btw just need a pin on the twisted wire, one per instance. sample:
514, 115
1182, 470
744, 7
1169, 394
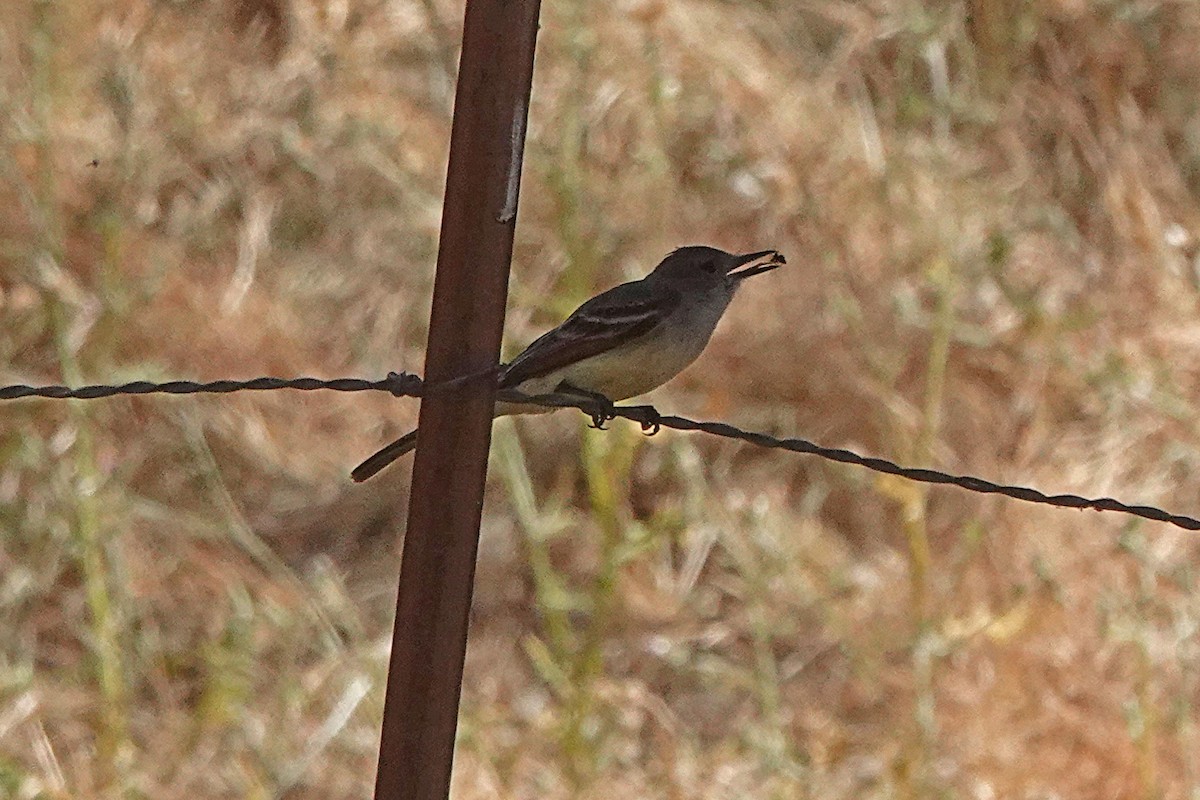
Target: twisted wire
408, 385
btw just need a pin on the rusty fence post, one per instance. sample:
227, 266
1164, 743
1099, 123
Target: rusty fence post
436, 576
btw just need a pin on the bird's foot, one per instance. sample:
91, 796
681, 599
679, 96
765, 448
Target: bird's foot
646, 416
595, 405
601, 410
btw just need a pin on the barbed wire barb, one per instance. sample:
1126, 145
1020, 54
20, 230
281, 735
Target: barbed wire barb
403, 384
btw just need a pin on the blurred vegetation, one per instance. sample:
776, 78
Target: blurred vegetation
989, 209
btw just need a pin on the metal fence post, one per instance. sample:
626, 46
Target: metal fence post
486, 144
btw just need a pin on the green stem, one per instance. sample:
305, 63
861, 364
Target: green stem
916, 529
113, 742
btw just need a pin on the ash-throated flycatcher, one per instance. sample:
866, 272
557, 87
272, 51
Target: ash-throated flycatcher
623, 342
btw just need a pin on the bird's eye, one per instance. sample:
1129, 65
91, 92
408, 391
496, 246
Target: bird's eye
709, 266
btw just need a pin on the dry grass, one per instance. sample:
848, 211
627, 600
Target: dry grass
990, 212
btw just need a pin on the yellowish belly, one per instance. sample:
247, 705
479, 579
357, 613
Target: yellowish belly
628, 371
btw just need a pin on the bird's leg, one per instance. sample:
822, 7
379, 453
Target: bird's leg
600, 407
646, 416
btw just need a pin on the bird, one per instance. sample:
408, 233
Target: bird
623, 342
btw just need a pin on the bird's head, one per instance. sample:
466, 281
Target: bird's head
699, 267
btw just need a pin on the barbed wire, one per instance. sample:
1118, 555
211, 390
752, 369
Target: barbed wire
407, 385
399, 384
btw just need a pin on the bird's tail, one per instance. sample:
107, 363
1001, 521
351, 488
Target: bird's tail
408, 442
385, 456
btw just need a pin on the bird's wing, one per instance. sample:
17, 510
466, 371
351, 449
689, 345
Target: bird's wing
608, 320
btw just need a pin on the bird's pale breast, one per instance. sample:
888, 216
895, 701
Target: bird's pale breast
644, 364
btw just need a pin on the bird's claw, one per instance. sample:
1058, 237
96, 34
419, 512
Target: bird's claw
594, 404
646, 416
601, 411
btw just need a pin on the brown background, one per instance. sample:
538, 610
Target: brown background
989, 210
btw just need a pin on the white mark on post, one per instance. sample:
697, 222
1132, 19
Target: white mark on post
516, 142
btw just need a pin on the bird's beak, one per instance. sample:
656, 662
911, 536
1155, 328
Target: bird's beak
774, 258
